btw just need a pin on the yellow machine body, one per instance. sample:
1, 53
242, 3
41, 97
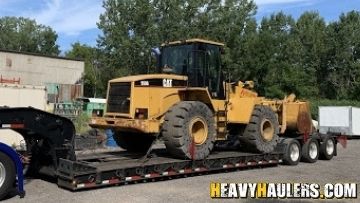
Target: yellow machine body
147, 105
191, 70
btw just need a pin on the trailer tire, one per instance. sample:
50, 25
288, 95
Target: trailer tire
261, 133
7, 174
189, 130
133, 142
327, 149
292, 153
310, 151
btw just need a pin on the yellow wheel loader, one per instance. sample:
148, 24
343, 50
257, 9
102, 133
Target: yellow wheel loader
191, 106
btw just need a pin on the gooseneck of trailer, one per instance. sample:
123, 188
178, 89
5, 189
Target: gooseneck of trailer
48, 137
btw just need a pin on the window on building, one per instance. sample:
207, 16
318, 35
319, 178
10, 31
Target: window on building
8, 62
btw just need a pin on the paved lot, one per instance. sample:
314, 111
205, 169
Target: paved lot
343, 168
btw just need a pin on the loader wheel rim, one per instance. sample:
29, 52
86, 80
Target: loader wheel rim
294, 152
313, 150
329, 147
267, 130
2, 174
198, 131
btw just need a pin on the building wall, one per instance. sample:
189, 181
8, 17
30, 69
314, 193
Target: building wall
61, 76
39, 70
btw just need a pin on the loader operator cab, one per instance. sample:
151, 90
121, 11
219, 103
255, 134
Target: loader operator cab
199, 60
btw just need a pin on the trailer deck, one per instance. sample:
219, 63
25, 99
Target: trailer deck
114, 168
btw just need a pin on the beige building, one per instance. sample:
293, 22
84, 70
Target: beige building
33, 69
61, 76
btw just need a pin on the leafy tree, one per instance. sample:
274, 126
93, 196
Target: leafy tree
22, 34
343, 57
92, 78
132, 27
282, 55
309, 35
273, 53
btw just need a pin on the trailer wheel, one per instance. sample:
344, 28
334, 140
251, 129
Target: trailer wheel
133, 142
189, 130
292, 152
327, 148
261, 134
310, 151
7, 174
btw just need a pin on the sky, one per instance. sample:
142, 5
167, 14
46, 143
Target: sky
75, 20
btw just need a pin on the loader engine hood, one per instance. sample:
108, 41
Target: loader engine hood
165, 80
126, 93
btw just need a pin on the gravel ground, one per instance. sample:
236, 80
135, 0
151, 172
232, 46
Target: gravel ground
343, 168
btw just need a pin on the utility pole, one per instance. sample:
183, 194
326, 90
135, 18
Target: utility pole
95, 67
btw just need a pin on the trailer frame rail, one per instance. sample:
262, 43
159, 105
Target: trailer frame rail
77, 175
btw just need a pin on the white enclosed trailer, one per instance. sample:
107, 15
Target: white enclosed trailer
16, 95
344, 120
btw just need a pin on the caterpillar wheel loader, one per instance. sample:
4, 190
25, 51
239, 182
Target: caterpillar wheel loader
191, 106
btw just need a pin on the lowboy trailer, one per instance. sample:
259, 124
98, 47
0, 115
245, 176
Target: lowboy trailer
50, 144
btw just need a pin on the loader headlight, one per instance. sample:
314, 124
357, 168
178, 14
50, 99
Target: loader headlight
141, 113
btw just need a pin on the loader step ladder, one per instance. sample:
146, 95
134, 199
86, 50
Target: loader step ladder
221, 123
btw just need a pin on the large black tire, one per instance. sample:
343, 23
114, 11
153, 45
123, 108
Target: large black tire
327, 149
261, 134
7, 174
292, 152
189, 130
133, 142
310, 151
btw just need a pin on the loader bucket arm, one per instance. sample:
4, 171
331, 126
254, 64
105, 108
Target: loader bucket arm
296, 116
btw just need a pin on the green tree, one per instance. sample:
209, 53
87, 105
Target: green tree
281, 54
273, 70
309, 35
93, 86
233, 23
343, 57
22, 34
132, 27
